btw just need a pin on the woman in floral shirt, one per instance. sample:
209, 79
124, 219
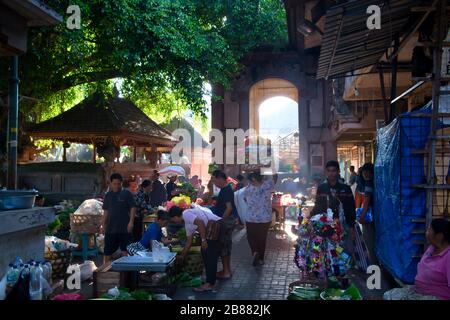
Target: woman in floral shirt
142, 200
258, 195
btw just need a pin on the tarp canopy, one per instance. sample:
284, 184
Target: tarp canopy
397, 204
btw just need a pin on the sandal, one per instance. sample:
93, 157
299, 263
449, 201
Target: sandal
203, 288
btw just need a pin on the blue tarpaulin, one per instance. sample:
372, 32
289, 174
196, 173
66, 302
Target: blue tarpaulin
397, 203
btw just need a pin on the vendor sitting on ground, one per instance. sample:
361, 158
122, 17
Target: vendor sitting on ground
433, 271
154, 232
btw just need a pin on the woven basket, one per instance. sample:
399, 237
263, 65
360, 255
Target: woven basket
193, 264
60, 261
82, 223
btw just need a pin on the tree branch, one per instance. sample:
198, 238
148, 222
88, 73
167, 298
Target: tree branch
86, 77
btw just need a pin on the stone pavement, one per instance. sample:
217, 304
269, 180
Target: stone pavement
271, 281
267, 282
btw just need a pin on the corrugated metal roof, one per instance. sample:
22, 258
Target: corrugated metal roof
349, 45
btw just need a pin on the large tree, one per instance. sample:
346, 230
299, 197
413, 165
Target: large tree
164, 50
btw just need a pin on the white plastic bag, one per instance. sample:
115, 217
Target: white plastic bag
241, 204
114, 292
90, 207
87, 270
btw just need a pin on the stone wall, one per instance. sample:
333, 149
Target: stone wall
235, 110
22, 233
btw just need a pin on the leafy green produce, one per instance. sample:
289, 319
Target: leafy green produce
196, 282
181, 235
141, 295
53, 227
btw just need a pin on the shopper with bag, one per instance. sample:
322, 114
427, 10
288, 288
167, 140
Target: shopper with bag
258, 195
211, 230
365, 215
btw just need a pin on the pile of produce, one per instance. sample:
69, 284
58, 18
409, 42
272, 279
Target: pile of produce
185, 280
305, 292
62, 220
182, 201
351, 293
318, 249
188, 190
125, 294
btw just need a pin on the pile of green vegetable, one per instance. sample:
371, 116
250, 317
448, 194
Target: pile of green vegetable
125, 294
351, 293
304, 293
185, 280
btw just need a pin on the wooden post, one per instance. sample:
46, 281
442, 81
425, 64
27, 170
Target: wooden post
64, 159
134, 153
383, 93
13, 124
393, 110
94, 152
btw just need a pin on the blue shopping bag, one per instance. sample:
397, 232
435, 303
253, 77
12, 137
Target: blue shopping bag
368, 218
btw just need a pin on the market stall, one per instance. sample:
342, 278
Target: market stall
322, 261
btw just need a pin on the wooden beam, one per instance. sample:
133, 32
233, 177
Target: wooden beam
425, 8
412, 31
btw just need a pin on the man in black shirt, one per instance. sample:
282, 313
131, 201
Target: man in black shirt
158, 194
224, 208
332, 193
171, 186
119, 210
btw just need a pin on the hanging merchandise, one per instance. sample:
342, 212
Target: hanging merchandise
319, 248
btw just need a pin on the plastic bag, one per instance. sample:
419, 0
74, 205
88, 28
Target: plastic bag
53, 244
87, 270
368, 218
114, 292
90, 207
101, 243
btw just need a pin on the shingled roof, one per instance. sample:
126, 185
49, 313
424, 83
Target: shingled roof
101, 116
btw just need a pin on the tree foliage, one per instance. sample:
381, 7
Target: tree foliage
164, 50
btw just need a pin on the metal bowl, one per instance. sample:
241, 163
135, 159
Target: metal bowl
17, 199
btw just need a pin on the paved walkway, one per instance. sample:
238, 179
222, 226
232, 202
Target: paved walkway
270, 281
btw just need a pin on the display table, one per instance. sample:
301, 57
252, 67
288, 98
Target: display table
130, 268
22, 233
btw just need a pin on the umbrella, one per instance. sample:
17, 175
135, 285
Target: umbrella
173, 169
